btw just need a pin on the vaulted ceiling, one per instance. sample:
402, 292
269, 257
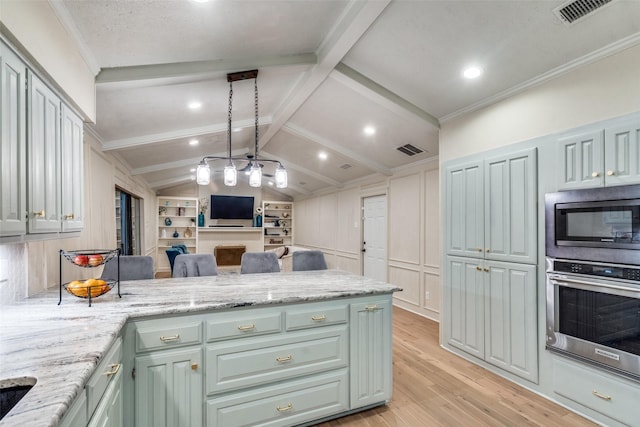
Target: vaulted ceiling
327, 69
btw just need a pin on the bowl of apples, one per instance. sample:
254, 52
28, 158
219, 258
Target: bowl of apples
90, 258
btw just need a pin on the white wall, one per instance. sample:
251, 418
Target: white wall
43, 40
605, 89
332, 223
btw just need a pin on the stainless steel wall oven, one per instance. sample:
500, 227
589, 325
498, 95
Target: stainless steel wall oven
593, 313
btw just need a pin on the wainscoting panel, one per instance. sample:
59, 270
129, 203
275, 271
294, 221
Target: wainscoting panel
409, 281
404, 219
432, 295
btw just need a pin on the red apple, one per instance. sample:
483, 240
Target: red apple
95, 260
81, 260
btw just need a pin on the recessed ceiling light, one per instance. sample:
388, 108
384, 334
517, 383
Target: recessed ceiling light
472, 72
192, 170
237, 129
195, 105
200, 1
194, 142
270, 182
369, 130
322, 155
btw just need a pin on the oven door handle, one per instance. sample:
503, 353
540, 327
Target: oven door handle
586, 284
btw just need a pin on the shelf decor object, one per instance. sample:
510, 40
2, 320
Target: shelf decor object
253, 163
90, 288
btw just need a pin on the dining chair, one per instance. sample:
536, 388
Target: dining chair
195, 265
259, 262
308, 260
132, 267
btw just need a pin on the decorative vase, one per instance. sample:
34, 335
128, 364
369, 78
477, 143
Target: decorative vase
258, 222
167, 221
164, 233
176, 234
200, 219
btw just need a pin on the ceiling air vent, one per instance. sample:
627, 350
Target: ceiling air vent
409, 150
573, 11
345, 166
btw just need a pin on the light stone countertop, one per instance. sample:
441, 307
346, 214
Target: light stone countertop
61, 345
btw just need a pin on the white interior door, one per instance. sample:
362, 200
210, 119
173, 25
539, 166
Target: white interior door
374, 245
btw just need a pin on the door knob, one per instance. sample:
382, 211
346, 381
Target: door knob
595, 175
39, 214
610, 173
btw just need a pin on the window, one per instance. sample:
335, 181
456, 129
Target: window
127, 223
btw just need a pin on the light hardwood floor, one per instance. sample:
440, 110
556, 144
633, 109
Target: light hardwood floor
432, 387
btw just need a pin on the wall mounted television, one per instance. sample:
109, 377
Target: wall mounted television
231, 207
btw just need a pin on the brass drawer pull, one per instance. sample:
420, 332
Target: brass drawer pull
113, 369
610, 173
479, 249
595, 175
601, 396
39, 214
169, 339
70, 216
478, 268
194, 366
283, 359
372, 307
285, 408
246, 327
319, 318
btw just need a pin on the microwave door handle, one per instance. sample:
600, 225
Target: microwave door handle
585, 285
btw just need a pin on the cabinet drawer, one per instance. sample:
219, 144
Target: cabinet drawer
167, 333
104, 373
225, 326
615, 398
262, 360
286, 404
315, 315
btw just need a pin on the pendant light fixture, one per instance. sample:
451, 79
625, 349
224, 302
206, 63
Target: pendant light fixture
203, 172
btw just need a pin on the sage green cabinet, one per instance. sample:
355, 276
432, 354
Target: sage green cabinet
72, 191
44, 158
13, 208
109, 410
41, 156
600, 158
169, 388
465, 305
491, 313
370, 358
491, 208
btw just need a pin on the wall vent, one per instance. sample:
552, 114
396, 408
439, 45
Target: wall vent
345, 166
575, 10
409, 150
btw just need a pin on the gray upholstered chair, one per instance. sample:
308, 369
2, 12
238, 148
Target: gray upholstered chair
259, 262
193, 265
308, 260
132, 267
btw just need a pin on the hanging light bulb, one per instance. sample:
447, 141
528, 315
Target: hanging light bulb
203, 173
230, 174
255, 175
281, 177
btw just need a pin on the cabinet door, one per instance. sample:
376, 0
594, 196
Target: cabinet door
510, 217
13, 180
168, 389
511, 318
465, 305
581, 161
622, 154
370, 358
464, 210
109, 410
72, 172
44, 158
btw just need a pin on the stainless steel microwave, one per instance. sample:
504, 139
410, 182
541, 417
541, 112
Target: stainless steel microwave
601, 224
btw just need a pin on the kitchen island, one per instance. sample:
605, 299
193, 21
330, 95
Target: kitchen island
62, 346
